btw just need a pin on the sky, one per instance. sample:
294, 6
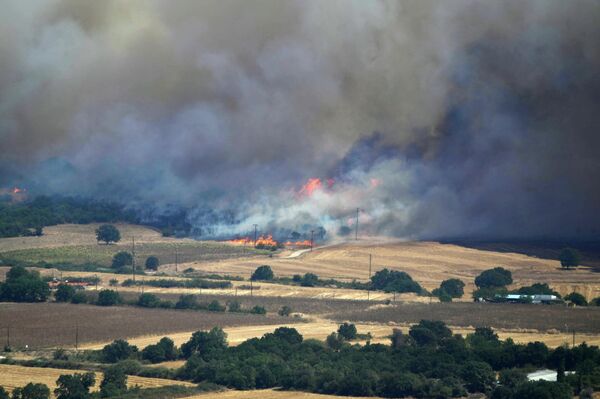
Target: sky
437, 119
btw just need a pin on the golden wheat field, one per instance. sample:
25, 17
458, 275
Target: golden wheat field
266, 394
12, 377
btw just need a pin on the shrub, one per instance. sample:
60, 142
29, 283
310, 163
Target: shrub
152, 263
335, 341
187, 301
64, 293
576, 298
496, 277
258, 310
32, 391
215, 306
148, 300
309, 280
108, 233
163, 351
394, 281
263, 272
118, 350
108, 298
122, 259
78, 297
114, 382
285, 311
234, 306
347, 330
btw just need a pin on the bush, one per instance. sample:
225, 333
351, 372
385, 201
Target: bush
215, 306
114, 382
74, 386
263, 272
187, 301
118, 350
108, 298
309, 280
394, 281
108, 233
64, 293
152, 263
164, 350
148, 300
122, 259
79, 297
234, 306
285, 311
347, 331
335, 341
576, 298
496, 277
258, 310
569, 257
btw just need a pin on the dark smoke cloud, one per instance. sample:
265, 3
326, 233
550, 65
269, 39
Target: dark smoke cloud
486, 112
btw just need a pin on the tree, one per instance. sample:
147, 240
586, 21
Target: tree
258, 310
32, 391
152, 263
263, 272
122, 259
205, 343
394, 281
576, 298
348, 331
108, 298
147, 300
285, 311
22, 285
3, 393
309, 280
569, 257
163, 351
335, 341
74, 386
215, 306
478, 376
108, 233
453, 287
78, 297
64, 293
114, 382
118, 350
494, 278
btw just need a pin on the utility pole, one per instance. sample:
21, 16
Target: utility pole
255, 232
312, 239
356, 226
133, 257
176, 259
370, 266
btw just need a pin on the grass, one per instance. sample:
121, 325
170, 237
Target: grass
102, 254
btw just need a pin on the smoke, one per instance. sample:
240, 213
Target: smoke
485, 112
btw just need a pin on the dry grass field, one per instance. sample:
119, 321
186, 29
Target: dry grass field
267, 394
12, 377
46, 325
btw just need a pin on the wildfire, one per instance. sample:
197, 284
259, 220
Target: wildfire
313, 184
298, 244
262, 240
17, 190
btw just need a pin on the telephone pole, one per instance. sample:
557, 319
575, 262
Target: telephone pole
176, 259
369, 266
133, 256
255, 233
356, 226
312, 239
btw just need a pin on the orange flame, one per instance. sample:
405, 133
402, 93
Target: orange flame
298, 244
262, 240
312, 184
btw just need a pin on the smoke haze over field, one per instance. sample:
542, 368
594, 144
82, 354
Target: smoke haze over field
440, 119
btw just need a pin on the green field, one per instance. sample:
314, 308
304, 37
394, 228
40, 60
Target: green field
102, 254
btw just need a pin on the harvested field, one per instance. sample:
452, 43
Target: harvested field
506, 316
267, 394
45, 325
429, 263
12, 377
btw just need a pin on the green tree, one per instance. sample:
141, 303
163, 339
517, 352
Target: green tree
258, 310
163, 351
494, 278
453, 287
348, 331
118, 350
309, 280
147, 300
215, 306
74, 386
108, 298
263, 272
205, 343
64, 293
394, 281
114, 382
478, 376
32, 391
122, 259
79, 297
22, 285
569, 257
335, 341
152, 263
576, 298
3, 393
108, 233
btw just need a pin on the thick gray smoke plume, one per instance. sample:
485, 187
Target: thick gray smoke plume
485, 113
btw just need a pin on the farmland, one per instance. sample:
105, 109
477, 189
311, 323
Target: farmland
266, 394
12, 377
55, 325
